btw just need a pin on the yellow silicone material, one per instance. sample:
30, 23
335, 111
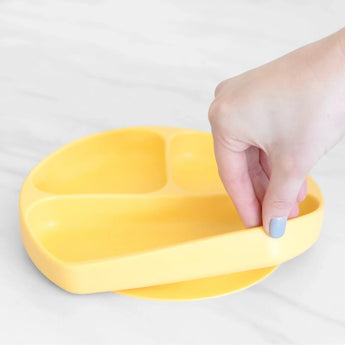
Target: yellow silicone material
138, 207
201, 288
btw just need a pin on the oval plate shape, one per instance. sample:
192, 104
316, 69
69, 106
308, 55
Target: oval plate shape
141, 207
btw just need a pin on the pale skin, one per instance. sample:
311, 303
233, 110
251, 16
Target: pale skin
270, 126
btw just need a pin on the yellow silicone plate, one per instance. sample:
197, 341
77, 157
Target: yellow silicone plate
143, 210
201, 288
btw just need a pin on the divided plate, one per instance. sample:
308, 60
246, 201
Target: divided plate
143, 210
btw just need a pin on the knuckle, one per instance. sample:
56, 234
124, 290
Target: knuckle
219, 87
220, 106
216, 108
282, 204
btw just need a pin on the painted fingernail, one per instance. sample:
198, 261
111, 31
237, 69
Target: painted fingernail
277, 227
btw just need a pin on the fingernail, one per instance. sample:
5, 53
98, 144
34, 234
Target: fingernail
277, 227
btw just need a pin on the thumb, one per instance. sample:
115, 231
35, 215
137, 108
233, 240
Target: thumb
280, 197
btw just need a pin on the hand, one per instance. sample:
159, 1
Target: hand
270, 125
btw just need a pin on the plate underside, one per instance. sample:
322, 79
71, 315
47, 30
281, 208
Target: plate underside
201, 288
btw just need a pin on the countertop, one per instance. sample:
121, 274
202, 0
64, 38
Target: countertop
72, 68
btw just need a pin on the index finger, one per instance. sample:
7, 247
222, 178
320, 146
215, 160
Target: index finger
233, 171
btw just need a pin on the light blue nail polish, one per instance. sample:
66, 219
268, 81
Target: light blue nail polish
277, 227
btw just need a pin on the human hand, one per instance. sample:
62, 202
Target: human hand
271, 124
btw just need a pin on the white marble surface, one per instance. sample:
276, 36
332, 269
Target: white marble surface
71, 68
